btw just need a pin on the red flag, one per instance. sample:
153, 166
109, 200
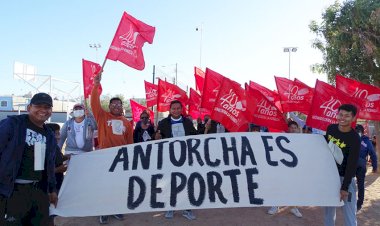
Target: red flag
325, 104
194, 102
151, 91
137, 109
368, 94
212, 83
90, 69
272, 96
263, 111
199, 79
168, 92
195, 98
128, 41
294, 95
230, 108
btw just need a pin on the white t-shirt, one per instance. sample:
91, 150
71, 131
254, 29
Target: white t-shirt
79, 131
177, 127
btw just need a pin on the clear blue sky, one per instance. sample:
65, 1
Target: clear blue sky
241, 39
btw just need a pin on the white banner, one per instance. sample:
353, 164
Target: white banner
205, 171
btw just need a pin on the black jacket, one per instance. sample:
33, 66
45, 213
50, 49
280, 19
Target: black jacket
12, 144
165, 127
138, 132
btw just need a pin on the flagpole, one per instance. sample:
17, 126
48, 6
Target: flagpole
104, 63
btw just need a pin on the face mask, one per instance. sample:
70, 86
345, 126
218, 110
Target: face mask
78, 113
360, 134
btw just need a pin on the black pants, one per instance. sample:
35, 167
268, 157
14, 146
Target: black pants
2, 209
360, 178
28, 205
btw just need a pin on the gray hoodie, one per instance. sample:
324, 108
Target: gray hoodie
68, 135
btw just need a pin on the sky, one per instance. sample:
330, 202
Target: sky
242, 40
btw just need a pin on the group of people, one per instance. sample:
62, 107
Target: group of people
32, 163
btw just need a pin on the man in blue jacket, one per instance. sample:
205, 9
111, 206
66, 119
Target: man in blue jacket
366, 148
27, 155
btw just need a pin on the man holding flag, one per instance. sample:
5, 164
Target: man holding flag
113, 128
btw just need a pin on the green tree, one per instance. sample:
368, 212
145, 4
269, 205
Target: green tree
349, 39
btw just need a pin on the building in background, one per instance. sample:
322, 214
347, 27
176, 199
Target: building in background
15, 105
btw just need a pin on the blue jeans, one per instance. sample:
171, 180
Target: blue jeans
349, 208
360, 177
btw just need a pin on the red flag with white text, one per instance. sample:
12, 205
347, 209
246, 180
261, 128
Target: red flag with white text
151, 91
368, 94
199, 79
271, 95
263, 111
137, 109
128, 41
212, 83
324, 108
230, 108
294, 95
168, 92
90, 70
194, 102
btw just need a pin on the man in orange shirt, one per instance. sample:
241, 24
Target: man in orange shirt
113, 128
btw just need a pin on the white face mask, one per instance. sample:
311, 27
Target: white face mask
78, 113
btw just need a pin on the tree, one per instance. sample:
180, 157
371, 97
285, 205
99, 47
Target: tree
349, 39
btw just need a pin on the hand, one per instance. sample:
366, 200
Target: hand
53, 198
66, 157
60, 169
343, 195
157, 135
208, 124
97, 78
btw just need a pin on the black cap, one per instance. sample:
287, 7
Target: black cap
359, 128
42, 98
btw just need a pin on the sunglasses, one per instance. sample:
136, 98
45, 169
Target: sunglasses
116, 105
144, 117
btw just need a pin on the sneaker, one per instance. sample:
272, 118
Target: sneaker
103, 219
273, 210
169, 214
119, 217
296, 212
188, 214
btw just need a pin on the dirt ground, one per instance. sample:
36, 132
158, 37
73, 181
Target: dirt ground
369, 215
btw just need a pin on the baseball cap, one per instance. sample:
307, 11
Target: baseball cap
42, 98
78, 105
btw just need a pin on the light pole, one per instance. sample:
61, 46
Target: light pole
96, 47
200, 29
289, 50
